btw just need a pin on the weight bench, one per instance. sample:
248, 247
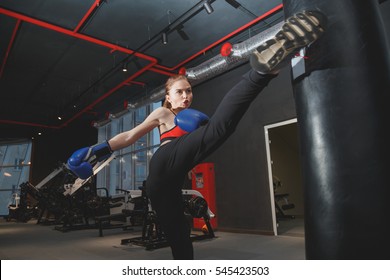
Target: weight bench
280, 208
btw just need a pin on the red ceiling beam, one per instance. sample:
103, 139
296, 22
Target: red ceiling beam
160, 71
11, 42
74, 34
86, 16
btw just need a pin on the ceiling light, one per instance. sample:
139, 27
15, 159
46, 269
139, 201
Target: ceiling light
164, 38
59, 118
124, 67
208, 7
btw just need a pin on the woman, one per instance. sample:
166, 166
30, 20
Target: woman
180, 151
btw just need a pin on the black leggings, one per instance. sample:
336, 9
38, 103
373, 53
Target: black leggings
172, 161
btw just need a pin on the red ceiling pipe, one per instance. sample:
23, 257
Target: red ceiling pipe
153, 69
74, 34
135, 83
90, 11
111, 91
270, 12
11, 42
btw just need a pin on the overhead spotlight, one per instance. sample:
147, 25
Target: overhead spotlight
164, 38
59, 118
124, 67
207, 7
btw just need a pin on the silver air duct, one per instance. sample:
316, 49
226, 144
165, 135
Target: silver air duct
216, 65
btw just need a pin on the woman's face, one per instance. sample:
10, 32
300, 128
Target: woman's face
180, 95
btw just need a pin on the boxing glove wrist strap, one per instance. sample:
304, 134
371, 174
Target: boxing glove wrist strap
102, 150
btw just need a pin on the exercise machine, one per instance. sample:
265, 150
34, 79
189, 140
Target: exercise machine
282, 202
152, 234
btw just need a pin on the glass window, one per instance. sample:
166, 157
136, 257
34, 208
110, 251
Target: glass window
130, 167
14, 170
114, 128
140, 114
140, 163
114, 179
128, 123
127, 174
102, 135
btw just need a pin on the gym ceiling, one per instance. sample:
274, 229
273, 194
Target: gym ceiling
61, 61
65, 58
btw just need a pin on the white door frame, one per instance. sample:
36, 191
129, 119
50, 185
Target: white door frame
269, 166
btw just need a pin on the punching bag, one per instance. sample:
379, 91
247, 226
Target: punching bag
341, 99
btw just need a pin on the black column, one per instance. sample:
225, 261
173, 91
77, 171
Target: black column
342, 103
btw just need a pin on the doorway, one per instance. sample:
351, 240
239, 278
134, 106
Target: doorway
285, 182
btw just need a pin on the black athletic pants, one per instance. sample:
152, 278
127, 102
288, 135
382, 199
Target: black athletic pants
172, 161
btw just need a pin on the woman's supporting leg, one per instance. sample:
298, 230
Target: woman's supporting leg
176, 227
163, 186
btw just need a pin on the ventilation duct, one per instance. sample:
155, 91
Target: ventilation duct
240, 53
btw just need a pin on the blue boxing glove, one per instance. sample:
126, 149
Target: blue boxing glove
82, 161
190, 119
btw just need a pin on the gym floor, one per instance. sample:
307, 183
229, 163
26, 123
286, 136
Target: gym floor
32, 241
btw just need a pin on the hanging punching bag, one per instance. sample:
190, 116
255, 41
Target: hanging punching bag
341, 98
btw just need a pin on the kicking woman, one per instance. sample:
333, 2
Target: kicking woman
188, 136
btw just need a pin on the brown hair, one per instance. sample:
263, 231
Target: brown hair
168, 84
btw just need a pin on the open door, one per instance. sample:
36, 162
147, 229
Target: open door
285, 181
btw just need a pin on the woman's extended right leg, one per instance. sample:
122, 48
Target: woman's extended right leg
194, 147
298, 31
